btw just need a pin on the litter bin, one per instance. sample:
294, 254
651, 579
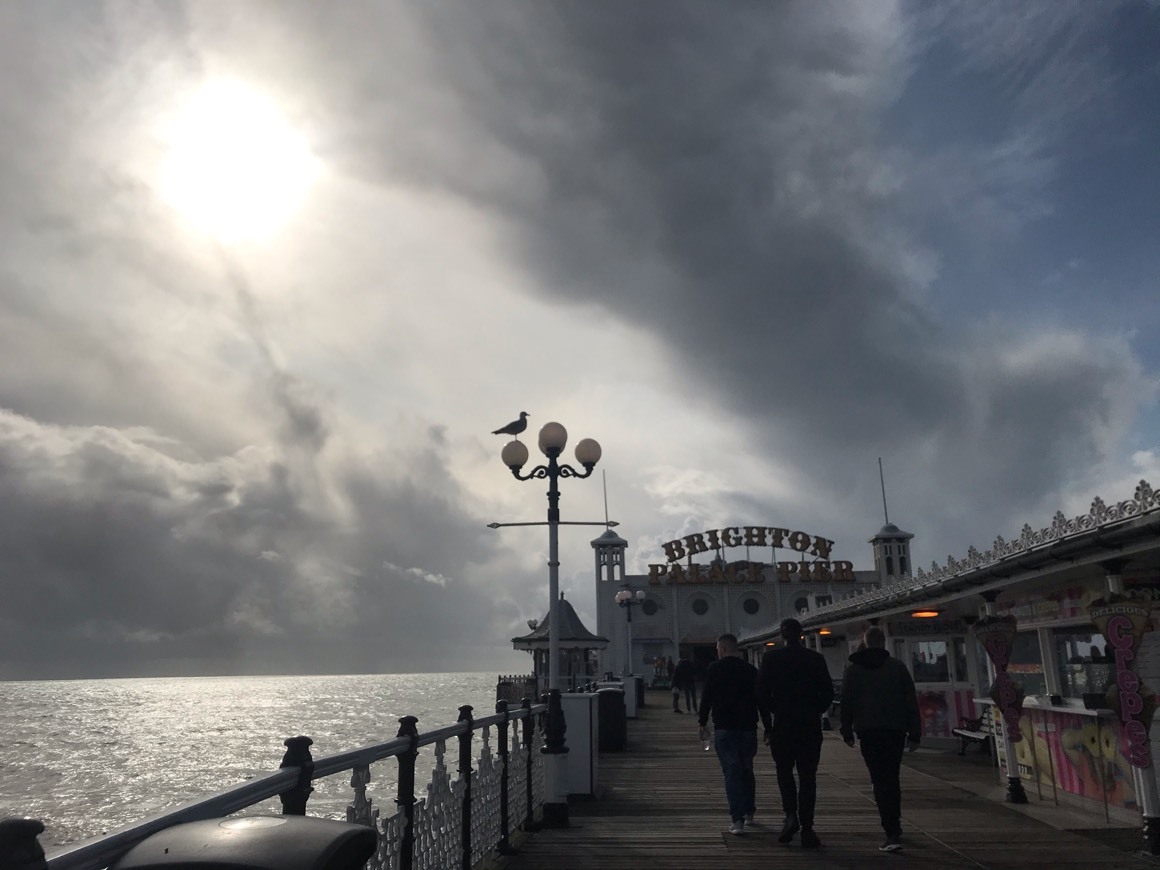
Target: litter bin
612, 722
255, 843
583, 734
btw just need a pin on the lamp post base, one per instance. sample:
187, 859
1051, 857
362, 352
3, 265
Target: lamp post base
1015, 792
1151, 833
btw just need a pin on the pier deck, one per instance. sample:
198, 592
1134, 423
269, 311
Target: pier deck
663, 808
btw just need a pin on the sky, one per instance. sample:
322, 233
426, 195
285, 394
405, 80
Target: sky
271, 274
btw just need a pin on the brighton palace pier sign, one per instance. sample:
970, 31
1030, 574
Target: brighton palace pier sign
821, 568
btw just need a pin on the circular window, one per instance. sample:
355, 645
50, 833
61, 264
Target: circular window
649, 607
801, 604
700, 606
751, 605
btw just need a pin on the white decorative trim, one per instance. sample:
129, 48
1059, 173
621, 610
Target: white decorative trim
1099, 516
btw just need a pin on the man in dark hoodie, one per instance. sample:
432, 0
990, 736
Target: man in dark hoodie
685, 681
794, 686
730, 695
879, 704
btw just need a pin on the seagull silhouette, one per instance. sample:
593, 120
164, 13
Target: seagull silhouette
515, 427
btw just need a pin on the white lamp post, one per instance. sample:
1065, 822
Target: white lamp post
553, 438
628, 599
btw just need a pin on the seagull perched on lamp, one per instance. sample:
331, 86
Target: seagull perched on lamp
515, 427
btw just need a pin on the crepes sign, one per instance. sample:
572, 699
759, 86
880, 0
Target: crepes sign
997, 634
1123, 620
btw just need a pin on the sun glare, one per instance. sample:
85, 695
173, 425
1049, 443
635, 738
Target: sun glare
235, 167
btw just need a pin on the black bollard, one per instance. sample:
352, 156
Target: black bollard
19, 848
406, 799
298, 755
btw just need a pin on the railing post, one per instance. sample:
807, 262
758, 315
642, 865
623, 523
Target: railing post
465, 773
19, 848
406, 798
528, 724
504, 847
297, 755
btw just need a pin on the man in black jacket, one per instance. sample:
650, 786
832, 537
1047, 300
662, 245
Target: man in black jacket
794, 686
685, 681
729, 694
879, 704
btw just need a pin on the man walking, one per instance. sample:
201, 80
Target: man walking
685, 682
880, 706
794, 686
729, 694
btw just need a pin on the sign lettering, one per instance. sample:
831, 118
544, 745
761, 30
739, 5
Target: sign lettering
1123, 621
752, 572
749, 536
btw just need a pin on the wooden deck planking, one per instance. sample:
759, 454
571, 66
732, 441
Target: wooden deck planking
663, 808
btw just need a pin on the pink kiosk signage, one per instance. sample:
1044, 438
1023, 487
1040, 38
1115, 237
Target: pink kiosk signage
1123, 620
997, 634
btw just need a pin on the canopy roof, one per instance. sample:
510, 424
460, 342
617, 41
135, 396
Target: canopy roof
573, 634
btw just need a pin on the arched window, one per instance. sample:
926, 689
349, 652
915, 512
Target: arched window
902, 565
890, 566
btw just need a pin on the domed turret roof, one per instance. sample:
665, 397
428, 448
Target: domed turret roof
610, 539
891, 532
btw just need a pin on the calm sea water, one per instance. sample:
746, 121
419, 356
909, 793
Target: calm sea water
89, 756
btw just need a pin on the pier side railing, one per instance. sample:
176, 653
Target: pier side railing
496, 789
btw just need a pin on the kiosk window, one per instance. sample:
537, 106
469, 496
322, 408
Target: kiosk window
1027, 664
928, 661
1084, 666
959, 646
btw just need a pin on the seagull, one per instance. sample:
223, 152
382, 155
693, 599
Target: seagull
515, 427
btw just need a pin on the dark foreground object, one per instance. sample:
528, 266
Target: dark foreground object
255, 843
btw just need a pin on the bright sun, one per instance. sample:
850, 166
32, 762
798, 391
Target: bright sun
235, 167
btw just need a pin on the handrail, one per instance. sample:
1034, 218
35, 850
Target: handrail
99, 852
333, 764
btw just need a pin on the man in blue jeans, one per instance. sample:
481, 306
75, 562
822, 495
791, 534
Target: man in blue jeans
730, 696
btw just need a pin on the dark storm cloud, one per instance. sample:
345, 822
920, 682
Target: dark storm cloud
741, 146
119, 559
734, 144
718, 176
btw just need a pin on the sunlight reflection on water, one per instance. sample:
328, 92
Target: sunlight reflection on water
90, 756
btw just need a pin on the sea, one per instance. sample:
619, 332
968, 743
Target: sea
87, 757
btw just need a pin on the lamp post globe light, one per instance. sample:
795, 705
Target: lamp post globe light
628, 599
552, 440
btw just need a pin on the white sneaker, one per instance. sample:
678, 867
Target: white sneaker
737, 828
892, 844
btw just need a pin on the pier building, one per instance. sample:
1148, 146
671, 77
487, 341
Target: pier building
739, 579
1043, 649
